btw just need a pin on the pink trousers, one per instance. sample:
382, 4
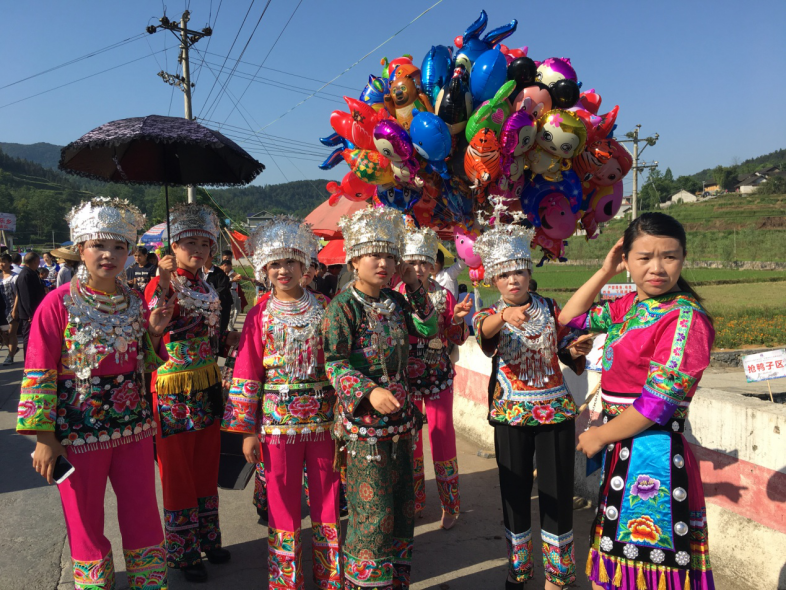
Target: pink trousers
442, 436
284, 474
131, 471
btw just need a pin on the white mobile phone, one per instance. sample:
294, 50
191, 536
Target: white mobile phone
63, 469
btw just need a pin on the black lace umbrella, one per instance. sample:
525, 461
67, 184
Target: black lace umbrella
156, 150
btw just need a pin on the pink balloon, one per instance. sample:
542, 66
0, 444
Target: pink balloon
465, 242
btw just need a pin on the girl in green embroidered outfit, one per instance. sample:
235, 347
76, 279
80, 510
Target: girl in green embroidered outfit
367, 328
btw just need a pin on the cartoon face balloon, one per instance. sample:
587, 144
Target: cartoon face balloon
535, 99
553, 206
554, 69
465, 243
606, 202
561, 133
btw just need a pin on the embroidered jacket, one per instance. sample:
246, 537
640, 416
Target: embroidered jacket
429, 367
113, 413
188, 386
353, 365
263, 398
513, 402
655, 353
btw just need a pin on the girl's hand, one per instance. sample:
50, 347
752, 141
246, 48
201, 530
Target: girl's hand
582, 346
252, 449
383, 401
613, 264
166, 266
516, 316
590, 443
461, 310
233, 338
160, 317
47, 450
407, 274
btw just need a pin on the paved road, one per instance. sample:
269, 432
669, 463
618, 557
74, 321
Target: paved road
34, 552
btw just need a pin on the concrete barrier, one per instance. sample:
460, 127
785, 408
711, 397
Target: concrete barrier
739, 441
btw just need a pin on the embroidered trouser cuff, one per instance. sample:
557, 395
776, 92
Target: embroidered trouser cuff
94, 575
146, 568
519, 555
559, 559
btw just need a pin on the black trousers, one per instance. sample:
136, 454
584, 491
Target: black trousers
516, 447
23, 332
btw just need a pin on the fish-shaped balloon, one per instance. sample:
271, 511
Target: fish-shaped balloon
435, 70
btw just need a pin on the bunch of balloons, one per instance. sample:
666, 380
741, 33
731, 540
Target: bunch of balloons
478, 120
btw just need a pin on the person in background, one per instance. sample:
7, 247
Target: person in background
152, 259
31, 293
533, 285
10, 302
447, 277
331, 280
68, 259
52, 267
227, 255
17, 263
220, 282
475, 305
43, 274
141, 272
319, 280
238, 297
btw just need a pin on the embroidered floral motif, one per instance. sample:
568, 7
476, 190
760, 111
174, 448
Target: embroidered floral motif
94, 575
360, 574
209, 528
402, 561
670, 385
187, 355
644, 530
240, 413
559, 559
187, 411
645, 488
520, 566
327, 555
420, 484
523, 413
284, 559
146, 568
37, 402
260, 489
181, 529
446, 473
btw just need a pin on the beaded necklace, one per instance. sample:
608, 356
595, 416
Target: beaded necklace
197, 302
296, 334
376, 313
532, 346
100, 331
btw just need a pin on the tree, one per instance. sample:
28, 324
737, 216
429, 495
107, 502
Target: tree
775, 185
688, 183
723, 177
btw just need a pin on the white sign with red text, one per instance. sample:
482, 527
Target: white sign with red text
7, 222
765, 365
616, 290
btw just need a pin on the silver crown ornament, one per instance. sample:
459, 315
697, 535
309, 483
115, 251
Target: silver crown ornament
373, 231
105, 218
283, 237
420, 244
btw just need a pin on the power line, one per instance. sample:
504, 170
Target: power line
77, 59
418, 17
213, 26
147, 55
265, 59
225, 84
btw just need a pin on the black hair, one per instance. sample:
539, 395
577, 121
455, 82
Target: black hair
440, 257
533, 284
31, 257
462, 288
654, 223
6, 257
141, 250
226, 253
17, 259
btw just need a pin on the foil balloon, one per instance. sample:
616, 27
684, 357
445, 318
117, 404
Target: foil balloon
351, 188
431, 139
492, 113
394, 143
436, 70
518, 137
374, 92
488, 73
471, 46
358, 124
561, 135
401, 199
481, 162
454, 101
389, 65
535, 99
369, 166
554, 69
522, 71
601, 205
604, 163
336, 141
564, 94
410, 70
590, 101
464, 239
403, 98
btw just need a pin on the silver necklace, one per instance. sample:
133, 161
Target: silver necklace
205, 304
533, 346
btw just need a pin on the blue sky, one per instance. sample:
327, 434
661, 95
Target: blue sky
707, 76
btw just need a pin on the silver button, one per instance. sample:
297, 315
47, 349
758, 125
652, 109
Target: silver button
679, 462
624, 453
657, 556
606, 544
610, 448
631, 551
617, 483
681, 529
605, 419
675, 426
682, 558
612, 513
679, 494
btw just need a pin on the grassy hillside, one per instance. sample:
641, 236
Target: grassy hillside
44, 154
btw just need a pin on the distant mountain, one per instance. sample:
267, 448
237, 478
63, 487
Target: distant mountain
776, 158
45, 154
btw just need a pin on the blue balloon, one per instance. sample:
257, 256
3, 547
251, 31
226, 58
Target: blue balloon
488, 74
436, 70
431, 138
401, 199
569, 186
473, 46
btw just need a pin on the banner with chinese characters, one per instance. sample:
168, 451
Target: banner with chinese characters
612, 291
7, 222
765, 365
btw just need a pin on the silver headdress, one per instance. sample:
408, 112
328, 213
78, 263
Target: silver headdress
282, 237
104, 218
370, 231
420, 244
190, 220
504, 247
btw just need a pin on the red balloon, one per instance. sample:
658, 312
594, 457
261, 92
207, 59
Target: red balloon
351, 188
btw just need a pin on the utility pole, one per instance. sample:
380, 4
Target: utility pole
633, 137
187, 38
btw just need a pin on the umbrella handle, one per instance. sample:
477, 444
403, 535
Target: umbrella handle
168, 229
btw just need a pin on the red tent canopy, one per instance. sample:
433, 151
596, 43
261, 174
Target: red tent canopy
333, 253
324, 219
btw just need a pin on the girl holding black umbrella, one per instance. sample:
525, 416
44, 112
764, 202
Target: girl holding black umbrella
187, 395
83, 396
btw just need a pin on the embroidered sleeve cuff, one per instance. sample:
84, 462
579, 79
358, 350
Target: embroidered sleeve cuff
664, 390
458, 334
37, 410
351, 385
153, 359
242, 407
580, 322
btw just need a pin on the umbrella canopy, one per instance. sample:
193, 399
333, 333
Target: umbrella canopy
156, 150
155, 235
333, 253
324, 219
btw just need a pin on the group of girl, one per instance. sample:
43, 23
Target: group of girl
341, 386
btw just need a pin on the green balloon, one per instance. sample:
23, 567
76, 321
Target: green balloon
492, 113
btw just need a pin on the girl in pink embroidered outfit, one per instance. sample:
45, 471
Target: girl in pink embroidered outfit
651, 528
280, 392
83, 396
430, 372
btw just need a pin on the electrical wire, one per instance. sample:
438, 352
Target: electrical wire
78, 59
396, 34
264, 60
209, 39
